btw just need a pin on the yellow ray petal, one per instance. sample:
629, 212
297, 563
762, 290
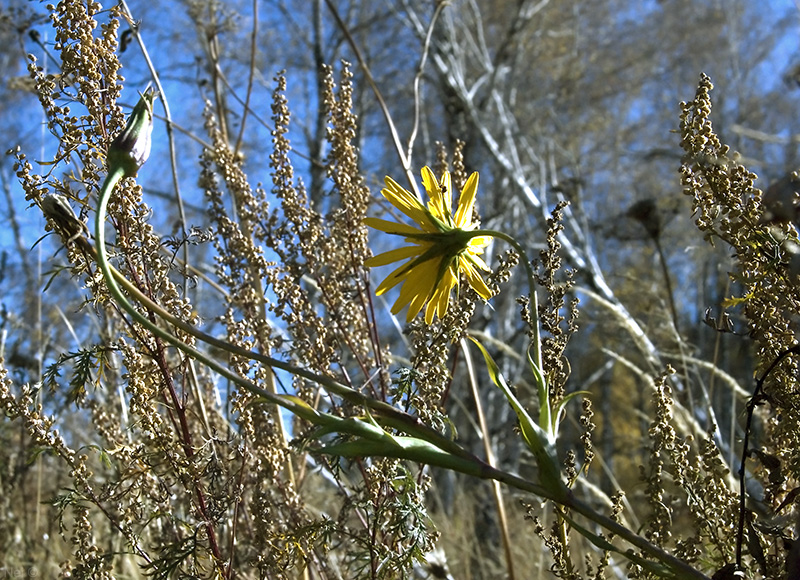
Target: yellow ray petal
394, 255
390, 227
406, 202
478, 261
418, 287
440, 195
479, 242
440, 299
447, 192
475, 279
466, 202
392, 280
432, 188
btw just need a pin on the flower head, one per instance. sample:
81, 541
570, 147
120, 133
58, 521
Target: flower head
443, 245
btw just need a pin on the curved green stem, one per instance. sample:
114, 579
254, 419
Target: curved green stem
389, 415
112, 276
114, 176
534, 300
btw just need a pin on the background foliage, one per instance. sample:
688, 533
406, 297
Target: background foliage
120, 458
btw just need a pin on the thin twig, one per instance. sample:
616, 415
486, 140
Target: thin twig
173, 157
490, 459
418, 77
250, 77
757, 398
405, 161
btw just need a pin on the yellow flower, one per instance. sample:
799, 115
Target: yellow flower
443, 245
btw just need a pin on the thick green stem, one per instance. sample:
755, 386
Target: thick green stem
111, 276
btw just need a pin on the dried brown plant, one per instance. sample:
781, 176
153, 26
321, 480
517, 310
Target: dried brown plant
178, 470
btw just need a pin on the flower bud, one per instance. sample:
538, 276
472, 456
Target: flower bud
56, 208
131, 148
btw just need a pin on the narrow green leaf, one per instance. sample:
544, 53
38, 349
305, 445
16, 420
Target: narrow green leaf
534, 436
546, 421
539, 441
558, 415
400, 447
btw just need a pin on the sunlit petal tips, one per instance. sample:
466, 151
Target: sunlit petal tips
475, 279
442, 246
407, 203
440, 194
